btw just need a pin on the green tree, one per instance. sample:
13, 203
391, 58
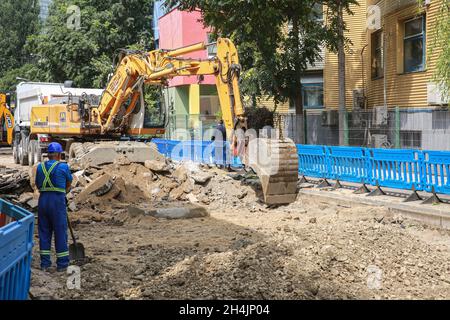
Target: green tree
85, 54
440, 43
18, 20
277, 40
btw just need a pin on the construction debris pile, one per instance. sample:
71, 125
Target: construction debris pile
13, 183
157, 185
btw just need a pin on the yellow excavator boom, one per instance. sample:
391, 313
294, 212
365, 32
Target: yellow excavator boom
6, 119
276, 167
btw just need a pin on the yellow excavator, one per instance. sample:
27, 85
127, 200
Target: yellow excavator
91, 131
6, 121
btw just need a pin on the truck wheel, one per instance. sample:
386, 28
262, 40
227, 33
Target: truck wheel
23, 156
31, 151
37, 154
15, 153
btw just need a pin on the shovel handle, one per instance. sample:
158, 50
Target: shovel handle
71, 230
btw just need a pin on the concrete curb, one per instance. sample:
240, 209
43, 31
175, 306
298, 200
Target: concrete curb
438, 216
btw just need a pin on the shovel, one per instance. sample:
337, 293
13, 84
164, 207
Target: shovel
76, 250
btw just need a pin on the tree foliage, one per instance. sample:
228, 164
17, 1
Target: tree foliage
18, 20
277, 40
440, 43
85, 55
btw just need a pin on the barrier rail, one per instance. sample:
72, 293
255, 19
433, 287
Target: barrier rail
436, 171
16, 243
312, 161
347, 164
400, 169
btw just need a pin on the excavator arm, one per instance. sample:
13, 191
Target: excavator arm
275, 161
157, 67
7, 118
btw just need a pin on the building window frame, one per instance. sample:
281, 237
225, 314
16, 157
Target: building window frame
307, 86
377, 53
414, 37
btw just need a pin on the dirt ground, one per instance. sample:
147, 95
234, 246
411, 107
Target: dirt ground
311, 249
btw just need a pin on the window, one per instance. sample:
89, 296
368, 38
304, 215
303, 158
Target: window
318, 12
212, 50
414, 45
313, 95
411, 139
377, 55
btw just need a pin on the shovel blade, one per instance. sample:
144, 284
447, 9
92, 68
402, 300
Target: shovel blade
76, 252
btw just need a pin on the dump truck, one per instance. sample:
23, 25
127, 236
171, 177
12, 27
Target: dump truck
29, 148
92, 132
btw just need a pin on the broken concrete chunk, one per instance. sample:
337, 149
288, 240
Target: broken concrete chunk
201, 177
180, 174
99, 187
33, 203
72, 206
156, 166
25, 197
192, 198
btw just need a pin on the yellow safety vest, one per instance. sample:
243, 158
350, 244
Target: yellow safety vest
47, 185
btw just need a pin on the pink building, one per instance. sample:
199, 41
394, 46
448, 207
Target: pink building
194, 103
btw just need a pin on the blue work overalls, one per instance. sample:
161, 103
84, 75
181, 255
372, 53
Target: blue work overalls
52, 215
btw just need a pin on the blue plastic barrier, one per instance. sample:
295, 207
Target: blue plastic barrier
436, 171
399, 169
197, 151
312, 161
16, 244
347, 164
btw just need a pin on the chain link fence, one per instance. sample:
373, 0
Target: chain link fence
393, 128
396, 128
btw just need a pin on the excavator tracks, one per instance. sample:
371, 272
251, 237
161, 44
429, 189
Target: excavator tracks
276, 164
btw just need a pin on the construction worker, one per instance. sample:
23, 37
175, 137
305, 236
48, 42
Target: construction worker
53, 178
219, 138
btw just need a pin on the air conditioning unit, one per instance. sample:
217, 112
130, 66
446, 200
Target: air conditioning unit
379, 141
380, 116
330, 118
435, 96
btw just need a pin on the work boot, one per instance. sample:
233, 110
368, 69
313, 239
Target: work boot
61, 270
45, 269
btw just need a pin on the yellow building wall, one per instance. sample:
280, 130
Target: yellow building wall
269, 103
356, 25
403, 90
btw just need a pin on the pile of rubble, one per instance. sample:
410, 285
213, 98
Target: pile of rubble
13, 183
148, 186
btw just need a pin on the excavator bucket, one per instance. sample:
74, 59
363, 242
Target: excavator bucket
275, 161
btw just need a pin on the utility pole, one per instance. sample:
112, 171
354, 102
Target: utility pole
341, 77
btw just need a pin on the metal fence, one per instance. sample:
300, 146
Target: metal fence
394, 128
